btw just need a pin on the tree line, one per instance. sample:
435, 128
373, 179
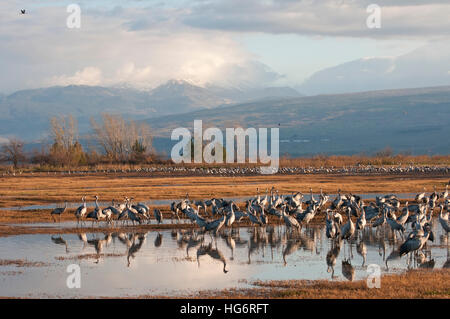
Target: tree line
113, 140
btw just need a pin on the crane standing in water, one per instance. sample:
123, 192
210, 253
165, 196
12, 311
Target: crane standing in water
158, 215
58, 212
81, 211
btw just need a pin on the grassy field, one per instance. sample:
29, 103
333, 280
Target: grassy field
23, 191
27, 190
412, 284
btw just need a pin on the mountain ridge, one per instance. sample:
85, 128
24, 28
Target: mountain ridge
26, 113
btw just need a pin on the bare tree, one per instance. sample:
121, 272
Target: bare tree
64, 131
13, 152
122, 140
65, 149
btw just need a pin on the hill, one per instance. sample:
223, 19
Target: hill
416, 121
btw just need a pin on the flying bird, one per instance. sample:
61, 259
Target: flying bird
22, 11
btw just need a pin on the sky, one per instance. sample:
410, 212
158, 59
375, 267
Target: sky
239, 43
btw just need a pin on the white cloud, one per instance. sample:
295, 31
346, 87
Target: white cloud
151, 43
408, 19
87, 76
137, 47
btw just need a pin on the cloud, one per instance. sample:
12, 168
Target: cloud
419, 68
145, 43
138, 47
87, 76
410, 19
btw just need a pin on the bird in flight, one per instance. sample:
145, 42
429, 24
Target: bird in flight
22, 11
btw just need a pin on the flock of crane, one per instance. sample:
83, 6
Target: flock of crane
294, 212
233, 171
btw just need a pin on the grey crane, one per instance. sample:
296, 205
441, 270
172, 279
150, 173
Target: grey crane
158, 215
290, 221
174, 209
308, 215
253, 217
348, 229
443, 219
381, 220
131, 213
332, 229
420, 196
415, 242
444, 194
113, 210
404, 216
81, 211
58, 211
262, 216
215, 225
361, 221
396, 226
231, 217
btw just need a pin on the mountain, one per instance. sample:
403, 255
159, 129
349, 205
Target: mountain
425, 66
408, 120
25, 114
253, 94
177, 96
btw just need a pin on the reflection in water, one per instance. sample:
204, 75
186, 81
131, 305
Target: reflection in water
136, 244
361, 249
158, 240
248, 253
213, 253
276, 238
332, 254
348, 270
60, 241
447, 262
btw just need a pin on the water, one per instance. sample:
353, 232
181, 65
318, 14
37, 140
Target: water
165, 262
159, 202
101, 224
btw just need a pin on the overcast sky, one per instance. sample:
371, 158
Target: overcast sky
224, 42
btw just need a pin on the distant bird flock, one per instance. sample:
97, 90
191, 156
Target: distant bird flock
236, 171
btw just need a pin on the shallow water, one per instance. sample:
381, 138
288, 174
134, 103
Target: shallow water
159, 202
165, 262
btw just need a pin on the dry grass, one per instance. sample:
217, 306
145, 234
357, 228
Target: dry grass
354, 160
23, 191
413, 284
22, 263
88, 256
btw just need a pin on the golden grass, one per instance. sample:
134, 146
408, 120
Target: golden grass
359, 159
414, 284
22, 263
23, 191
